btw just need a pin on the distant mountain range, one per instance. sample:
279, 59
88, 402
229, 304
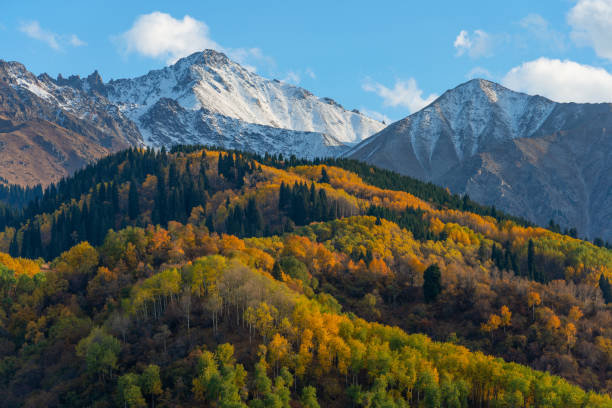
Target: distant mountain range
51, 127
524, 154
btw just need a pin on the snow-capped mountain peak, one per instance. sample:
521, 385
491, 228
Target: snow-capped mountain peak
204, 98
525, 154
210, 81
472, 115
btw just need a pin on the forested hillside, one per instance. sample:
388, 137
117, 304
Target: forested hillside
201, 277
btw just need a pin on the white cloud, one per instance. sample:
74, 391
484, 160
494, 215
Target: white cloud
404, 93
538, 27
249, 58
478, 44
33, 30
478, 72
76, 41
462, 42
381, 117
295, 76
591, 22
292, 77
561, 81
161, 36
309, 72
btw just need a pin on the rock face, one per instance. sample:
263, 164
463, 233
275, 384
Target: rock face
46, 135
51, 127
525, 154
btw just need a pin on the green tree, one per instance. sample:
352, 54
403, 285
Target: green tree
324, 176
129, 393
531, 269
7, 281
606, 290
150, 383
309, 396
255, 223
207, 385
432, 285
262, 383
277, 271
160, 210
133, 206
100, 350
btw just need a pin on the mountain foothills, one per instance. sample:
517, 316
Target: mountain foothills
219, 278
51, 127
524, 154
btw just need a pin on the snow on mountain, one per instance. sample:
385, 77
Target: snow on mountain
168, 123
211, 82
524, 154
50, 130
204, 98
470, 116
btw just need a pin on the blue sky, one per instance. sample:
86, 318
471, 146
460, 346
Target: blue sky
388, 58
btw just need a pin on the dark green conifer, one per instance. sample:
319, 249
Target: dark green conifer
133, 206
432, 285
606, 290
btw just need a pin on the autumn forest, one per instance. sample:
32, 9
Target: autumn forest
203, 277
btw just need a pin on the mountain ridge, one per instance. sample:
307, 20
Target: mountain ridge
45, 137
492, 143
204, 98
210, 81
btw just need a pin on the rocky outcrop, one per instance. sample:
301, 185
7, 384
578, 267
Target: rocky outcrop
46, 135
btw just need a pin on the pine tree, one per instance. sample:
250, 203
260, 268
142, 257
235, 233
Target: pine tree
277, 271
483, 252
254, 219
14, 246
531, 272
496, 255
324, 176
115, 198
283, 196
160, 212
133, 206
204, 185
209, 224
606, 290
432, 285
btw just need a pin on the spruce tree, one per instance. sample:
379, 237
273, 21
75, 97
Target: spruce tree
324, 176
133, 206
14, 246
209, 224
254, 219
277, 271
160, 212
432, 285
606, 290
531, 272
483, 252
115, 198
284, 196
